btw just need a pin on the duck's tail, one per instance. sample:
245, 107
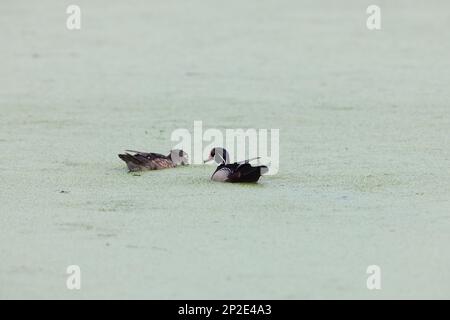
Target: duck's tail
263, 169
132, 162
128, 158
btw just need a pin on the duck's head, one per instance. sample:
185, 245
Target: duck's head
179, 157
219, 155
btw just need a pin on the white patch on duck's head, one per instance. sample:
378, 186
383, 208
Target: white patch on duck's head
220, 156
179, 157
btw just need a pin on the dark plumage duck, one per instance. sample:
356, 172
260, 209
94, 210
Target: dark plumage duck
140, 161
235, 172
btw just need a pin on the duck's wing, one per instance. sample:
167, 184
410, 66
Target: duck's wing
154, 160
146, 161
247, 173
147, 155
243, 164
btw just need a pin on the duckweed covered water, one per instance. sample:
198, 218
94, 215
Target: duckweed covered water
364, 144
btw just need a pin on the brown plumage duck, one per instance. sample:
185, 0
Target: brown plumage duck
141, 161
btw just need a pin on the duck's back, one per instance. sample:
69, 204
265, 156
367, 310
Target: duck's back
146, 161
247, 173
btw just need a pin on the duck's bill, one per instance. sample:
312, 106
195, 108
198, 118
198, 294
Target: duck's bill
207, 160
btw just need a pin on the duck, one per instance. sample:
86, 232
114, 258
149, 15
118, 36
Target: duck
234, 172
143, 161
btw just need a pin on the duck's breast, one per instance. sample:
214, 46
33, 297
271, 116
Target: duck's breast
221, 175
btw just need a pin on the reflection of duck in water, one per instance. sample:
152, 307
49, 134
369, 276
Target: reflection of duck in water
235, 172
140, 161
